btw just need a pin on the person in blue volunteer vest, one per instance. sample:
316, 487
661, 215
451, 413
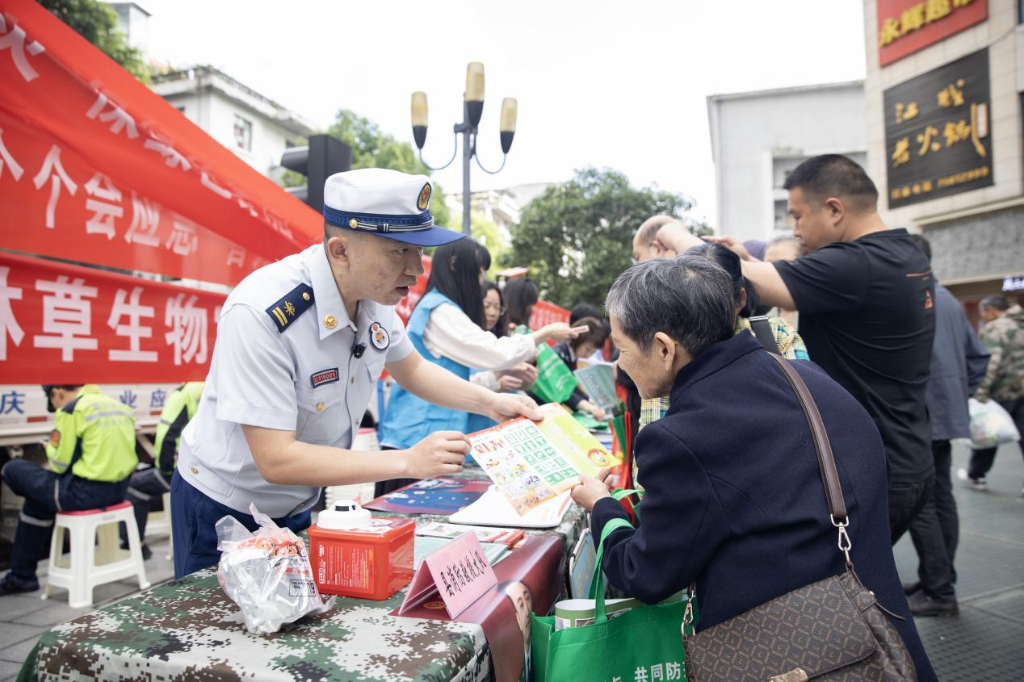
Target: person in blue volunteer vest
518, 378
446, 327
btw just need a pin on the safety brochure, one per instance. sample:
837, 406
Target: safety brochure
574, 613
598, 380
531, 462
505, 536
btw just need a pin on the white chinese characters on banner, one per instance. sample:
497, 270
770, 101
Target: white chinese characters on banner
171, 157
236, 256
13, 39
67, 316
117, 117
133, 329
183, 240
8, 325
6, 160
53, 171
145, 223
188, 329
105, 203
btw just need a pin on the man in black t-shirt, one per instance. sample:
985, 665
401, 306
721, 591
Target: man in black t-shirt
866, 295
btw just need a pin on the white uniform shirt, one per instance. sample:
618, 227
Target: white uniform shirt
303, 377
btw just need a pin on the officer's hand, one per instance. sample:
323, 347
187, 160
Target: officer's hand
438, 454
505, 406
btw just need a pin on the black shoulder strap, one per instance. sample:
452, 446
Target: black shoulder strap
763, 331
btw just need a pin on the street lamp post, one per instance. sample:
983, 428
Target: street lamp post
472, 110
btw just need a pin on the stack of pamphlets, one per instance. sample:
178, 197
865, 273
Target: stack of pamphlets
504, 536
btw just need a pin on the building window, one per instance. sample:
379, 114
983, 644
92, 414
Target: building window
243, 133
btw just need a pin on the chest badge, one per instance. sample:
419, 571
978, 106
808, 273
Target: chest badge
379, 336
324, 376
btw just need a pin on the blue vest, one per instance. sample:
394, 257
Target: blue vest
408, 419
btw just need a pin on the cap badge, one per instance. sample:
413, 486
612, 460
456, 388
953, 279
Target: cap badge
379, 336
424, 198
330, 321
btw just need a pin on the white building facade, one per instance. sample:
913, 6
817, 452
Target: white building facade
757, 138
944, 85
253, 126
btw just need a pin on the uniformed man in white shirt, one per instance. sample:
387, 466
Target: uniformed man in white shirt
300, 345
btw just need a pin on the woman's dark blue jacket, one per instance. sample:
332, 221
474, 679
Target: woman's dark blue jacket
734, 497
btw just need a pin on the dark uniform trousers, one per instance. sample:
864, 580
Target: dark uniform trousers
47, 493
144, 486
194, 518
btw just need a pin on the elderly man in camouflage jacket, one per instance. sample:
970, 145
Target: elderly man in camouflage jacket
1003, 335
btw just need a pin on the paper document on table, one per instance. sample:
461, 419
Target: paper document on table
532, 462
494, 509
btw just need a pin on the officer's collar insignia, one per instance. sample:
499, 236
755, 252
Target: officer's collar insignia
288, 308
379, 336
424, 199
324, 376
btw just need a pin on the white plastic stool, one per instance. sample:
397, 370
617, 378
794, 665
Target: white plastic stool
159, 523
89, 567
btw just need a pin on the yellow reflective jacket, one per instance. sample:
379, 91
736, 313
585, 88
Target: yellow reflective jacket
178, 411
94, 435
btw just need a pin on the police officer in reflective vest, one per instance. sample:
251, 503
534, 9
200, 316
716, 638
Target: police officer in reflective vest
300, 346
91, 454
179, 408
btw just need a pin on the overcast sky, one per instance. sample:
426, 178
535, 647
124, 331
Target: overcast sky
610, 84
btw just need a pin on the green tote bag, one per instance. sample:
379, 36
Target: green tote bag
649, 638
555, 381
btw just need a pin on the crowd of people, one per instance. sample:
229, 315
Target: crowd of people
718, 442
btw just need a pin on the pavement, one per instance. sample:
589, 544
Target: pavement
983, 642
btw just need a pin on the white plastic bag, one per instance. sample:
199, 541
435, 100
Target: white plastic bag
991, 425
266, 573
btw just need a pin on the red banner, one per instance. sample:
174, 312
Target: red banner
906, 26
95, 167
70, 325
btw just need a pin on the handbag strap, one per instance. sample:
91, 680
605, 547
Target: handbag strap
762, 329
826, 465
826, 462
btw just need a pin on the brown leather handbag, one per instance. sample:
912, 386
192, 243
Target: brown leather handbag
833, 629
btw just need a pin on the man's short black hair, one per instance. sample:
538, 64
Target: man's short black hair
996, 302
834, 175
923, 244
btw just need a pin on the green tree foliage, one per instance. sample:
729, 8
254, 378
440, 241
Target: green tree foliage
97, 22
372, 148
577, 238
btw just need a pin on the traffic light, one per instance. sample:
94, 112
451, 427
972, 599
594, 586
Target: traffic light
322, 157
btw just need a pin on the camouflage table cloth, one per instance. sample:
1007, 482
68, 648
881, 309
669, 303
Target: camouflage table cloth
189, 630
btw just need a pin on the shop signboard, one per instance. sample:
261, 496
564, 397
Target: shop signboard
906, 26
937, 132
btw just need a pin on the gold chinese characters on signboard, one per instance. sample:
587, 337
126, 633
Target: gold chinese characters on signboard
937, 132
915, 18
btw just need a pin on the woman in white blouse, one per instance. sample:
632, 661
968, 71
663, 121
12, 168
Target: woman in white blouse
446, 327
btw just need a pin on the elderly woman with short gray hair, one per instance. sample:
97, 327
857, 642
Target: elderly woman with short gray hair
734, 497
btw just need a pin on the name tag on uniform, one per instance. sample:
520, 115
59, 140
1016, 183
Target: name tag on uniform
325, 376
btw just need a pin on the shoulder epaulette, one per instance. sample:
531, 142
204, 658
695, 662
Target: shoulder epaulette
288, 308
